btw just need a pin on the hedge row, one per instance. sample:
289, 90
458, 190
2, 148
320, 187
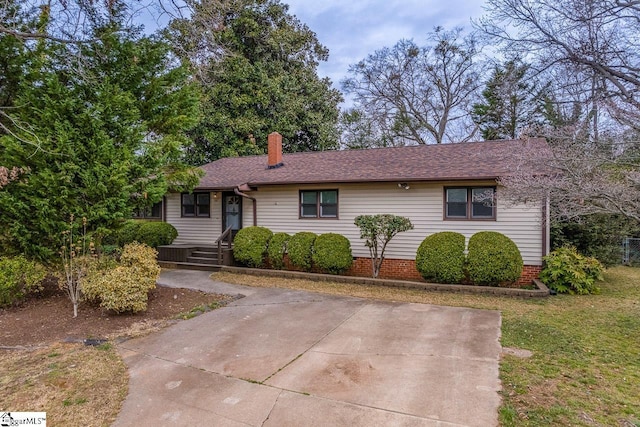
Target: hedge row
151, 233
330, 252
492, 259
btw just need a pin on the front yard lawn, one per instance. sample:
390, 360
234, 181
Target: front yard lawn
585, 368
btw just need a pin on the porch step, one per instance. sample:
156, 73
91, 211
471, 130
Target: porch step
204, 254
203, 259
189, 266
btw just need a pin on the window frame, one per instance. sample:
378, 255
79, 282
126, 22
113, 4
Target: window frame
196, 205
318, 204
469, 204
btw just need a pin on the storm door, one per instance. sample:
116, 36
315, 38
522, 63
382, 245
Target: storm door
231, 212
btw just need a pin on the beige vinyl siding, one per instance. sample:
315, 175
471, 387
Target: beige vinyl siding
192, 229
278, 210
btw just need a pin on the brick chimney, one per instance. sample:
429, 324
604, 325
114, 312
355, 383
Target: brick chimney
274, 151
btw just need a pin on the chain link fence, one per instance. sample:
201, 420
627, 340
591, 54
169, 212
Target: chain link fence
631, 251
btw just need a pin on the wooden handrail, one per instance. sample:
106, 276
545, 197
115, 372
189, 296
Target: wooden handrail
228, 236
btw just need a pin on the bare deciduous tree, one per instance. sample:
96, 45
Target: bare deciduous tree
595, 40
580, 180
419, 95
591, 52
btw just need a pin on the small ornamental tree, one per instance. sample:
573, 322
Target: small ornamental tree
77, 255
378, 230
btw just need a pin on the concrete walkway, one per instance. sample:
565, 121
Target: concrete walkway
291, 358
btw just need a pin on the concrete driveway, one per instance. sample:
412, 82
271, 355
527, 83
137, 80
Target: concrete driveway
291, 358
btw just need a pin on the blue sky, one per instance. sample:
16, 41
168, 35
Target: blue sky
352, 29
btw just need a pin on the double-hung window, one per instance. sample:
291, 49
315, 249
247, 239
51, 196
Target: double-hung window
319, 204
196, 204
470, 203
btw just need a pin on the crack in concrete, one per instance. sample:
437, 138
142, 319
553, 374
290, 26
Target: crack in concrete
360, 405
275, 402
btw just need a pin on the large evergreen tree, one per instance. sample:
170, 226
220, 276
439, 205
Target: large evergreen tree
509, 104
258, 70
104, 123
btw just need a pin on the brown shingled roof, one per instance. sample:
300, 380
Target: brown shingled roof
443, 162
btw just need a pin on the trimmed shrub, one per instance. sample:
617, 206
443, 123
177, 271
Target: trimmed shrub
18, 278
440, 257
276, 250
566, 271
156, 233
124, 287
250, 246
332, 253
300, 249
493, 259
128, 233
151, 233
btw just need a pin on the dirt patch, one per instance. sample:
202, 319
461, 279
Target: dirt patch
49, 318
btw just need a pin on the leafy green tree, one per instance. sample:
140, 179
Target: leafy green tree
509, 103
108, 132
14, 56
378, 230
259, 75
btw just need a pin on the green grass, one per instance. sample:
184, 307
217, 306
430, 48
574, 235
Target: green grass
585, 368
586, 365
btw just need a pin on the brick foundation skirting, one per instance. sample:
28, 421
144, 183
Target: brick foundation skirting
405, 269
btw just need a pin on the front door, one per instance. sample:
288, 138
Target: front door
231, 212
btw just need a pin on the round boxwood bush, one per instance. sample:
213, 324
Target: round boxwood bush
156, 233
493, 259
127, 233
566, 271
276, 250
250, 246
332, 253
300, 249
440, 257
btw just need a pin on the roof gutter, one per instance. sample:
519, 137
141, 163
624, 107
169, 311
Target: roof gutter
245, 187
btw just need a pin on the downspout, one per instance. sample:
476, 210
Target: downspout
245, 187
546, 226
